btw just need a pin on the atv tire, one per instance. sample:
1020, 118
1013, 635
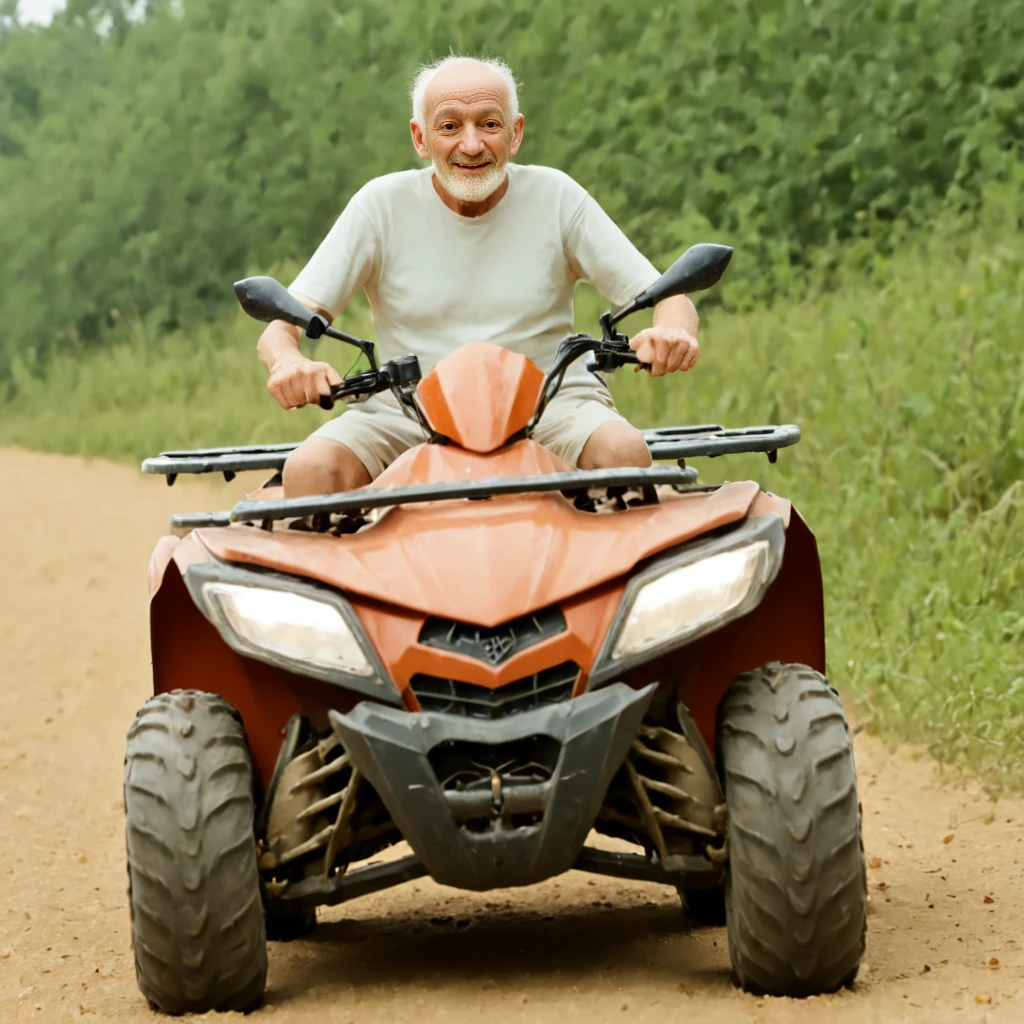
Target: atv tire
795, 887
193, 887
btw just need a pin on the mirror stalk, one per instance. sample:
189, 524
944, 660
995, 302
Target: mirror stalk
318, 327
609, 320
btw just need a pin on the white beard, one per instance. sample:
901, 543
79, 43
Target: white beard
471, 188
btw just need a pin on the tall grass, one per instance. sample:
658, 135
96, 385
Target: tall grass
908, 382
906, 374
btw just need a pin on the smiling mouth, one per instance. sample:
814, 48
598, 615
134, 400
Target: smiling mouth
473, 167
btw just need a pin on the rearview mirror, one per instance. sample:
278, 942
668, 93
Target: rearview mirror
700, 267
265, 299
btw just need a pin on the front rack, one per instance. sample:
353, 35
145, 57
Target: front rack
575, 482
708, 440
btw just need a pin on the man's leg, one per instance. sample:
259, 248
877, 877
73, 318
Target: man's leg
322, 466
352, 449
616, 443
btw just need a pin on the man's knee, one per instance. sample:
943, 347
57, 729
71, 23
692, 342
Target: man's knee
615, 444
322, 466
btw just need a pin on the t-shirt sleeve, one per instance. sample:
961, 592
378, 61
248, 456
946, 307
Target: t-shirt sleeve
599, 253
344, 262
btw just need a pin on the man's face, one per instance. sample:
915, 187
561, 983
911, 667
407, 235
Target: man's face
468, 134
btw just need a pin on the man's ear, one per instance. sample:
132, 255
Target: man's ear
517, 135
418, 142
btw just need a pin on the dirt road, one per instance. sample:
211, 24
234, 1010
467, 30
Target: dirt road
946, 936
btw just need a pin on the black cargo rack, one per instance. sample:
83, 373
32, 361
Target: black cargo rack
710, 440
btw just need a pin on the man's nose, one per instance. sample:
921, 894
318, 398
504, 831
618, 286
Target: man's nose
471, 142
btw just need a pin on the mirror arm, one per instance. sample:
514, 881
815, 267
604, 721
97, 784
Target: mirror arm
318, 327
609, 320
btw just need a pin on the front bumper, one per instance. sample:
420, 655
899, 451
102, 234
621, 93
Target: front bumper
507, 833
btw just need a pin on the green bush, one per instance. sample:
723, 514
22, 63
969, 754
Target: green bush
145, 166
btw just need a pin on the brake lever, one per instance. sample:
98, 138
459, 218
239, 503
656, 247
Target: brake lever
611, 357
401, 371
365, 384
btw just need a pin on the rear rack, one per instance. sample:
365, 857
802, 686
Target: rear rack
710, 440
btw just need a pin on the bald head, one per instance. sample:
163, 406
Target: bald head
466, 121
467, 80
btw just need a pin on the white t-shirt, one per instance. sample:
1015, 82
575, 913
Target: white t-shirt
437, 280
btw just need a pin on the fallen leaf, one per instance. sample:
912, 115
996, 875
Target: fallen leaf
988, 899
994, 962
983, 999
949, 838
875, 863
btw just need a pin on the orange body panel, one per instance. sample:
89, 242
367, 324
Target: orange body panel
484, 562
395, 631
439, 463
481, 395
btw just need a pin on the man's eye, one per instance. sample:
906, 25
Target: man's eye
491, 124
448, 127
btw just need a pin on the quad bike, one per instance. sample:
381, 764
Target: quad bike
489, 654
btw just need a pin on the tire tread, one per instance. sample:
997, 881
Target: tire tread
796, 897
191, 852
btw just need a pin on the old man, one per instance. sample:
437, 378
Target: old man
471, 248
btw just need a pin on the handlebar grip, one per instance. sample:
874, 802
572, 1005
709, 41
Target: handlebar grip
613, 360
358, 385
339, 392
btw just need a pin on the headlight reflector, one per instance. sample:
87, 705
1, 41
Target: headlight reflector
685, 600
289, 625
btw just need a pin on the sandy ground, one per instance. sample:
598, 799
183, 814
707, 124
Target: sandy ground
946, 935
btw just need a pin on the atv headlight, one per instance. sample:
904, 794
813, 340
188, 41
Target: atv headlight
689, 593
295, 624
687, 599
291, 626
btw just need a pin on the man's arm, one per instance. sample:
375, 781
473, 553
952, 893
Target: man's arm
341, 265
600, 253
295, 380
671, 344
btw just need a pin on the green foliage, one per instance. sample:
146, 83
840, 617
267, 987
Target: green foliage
907, 379
908, 383
145, 165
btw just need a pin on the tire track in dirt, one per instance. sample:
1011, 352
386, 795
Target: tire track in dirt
946, 927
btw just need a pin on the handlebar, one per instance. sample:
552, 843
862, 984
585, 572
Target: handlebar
606, 355
358, 384
611, 358
403, 371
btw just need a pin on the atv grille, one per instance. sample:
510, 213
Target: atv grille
493, 644
452, 697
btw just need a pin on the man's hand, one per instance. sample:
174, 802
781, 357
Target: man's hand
671, 344
296, 381
667, 349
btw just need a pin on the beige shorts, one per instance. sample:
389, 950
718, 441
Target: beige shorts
378, 431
